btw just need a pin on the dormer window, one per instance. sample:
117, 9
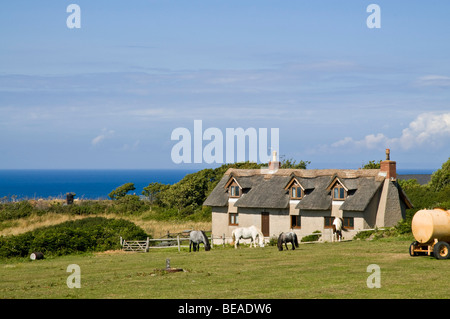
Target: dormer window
296, 192
234, 191
339, 192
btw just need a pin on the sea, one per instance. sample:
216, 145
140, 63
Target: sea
17, 184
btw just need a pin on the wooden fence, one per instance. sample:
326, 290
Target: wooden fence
171, 242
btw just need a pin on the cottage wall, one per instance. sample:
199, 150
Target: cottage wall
312, 220
220, 223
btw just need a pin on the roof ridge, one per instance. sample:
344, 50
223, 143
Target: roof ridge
307, 173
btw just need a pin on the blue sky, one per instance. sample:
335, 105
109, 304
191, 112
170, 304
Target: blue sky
109, 95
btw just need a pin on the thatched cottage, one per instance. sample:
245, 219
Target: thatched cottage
307, 200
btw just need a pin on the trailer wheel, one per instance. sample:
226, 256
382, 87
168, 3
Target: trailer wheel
441, 250
411, 249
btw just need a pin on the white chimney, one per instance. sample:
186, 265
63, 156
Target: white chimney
274, 165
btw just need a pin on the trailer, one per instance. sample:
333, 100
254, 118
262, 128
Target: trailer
431, 229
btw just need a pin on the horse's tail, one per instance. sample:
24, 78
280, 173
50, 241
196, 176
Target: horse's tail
342, 225
233, 238
295, 240
280, 242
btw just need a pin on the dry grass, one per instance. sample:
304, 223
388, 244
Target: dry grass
24, 225
160, 228
153, 227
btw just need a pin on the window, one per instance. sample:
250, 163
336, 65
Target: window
339, 192
296, 192
348, 223
328, 222
296, 221
234, 191
234, 219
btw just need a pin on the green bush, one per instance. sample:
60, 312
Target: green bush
129, 204
311, 237
88, 234
15, 210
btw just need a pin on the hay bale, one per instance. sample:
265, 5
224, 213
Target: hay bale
36, 255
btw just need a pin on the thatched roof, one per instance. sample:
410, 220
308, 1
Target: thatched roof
263, 190
266, 193
219, 195
319, 198
364, 190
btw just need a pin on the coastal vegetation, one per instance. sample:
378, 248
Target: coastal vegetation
163, 208
83, 235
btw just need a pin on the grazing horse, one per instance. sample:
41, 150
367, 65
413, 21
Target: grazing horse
337, 229
285, 238
248, 232
196, 237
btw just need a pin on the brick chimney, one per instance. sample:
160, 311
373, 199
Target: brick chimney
274, 165
389, 167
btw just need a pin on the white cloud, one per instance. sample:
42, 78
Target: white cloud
427, 129
433, 80
105, 134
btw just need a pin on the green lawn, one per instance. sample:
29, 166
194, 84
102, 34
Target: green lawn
328, 270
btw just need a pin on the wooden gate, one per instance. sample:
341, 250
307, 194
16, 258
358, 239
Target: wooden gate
265, 224
135, 245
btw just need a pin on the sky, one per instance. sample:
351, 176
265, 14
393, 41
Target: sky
111, 93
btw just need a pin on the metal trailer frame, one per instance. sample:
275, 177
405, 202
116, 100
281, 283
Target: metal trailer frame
438, 249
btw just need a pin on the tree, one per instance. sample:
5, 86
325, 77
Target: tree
441, 178
372, 165
121, 191
291, 163
153, 190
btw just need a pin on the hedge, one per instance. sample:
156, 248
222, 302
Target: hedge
84, 235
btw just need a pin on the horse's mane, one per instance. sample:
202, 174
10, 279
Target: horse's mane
206, 237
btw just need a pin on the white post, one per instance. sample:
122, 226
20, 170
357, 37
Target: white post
178, 241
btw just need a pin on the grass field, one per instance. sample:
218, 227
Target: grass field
325, 270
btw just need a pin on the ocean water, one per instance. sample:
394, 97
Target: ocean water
86, 184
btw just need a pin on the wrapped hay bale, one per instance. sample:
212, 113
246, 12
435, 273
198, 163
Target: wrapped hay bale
36, 256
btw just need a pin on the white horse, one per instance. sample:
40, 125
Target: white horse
337, 229
248, 232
